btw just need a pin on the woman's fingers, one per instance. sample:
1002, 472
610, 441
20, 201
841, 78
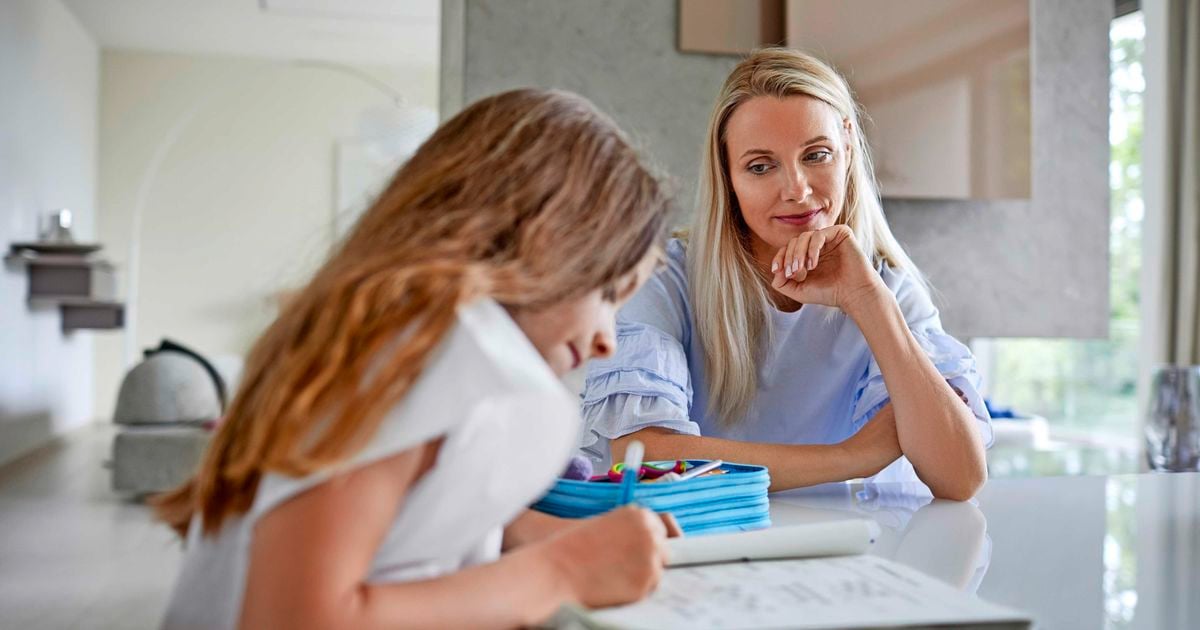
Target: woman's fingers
797, 250
789, 258
794, 260
814, 250
777, 262
800, 268
800, 255
778, 280
778, 268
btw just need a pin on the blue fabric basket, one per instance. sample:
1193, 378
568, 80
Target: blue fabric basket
732, 502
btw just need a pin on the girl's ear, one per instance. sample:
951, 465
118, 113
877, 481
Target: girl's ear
848, 132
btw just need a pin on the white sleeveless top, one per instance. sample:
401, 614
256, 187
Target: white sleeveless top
510, 426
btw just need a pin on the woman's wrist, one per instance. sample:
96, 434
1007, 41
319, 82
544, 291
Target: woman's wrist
813, 464
873, 447
850, 457
870, 298
856, 459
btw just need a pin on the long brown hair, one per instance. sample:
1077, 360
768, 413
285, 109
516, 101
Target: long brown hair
529, 197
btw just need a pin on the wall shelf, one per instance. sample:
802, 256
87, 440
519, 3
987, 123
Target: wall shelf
69, 276
92, 315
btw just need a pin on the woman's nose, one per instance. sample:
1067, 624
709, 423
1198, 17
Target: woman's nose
796, 188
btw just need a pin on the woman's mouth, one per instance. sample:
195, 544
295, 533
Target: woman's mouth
801, 218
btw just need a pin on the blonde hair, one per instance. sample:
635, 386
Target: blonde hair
730, 296
529, 197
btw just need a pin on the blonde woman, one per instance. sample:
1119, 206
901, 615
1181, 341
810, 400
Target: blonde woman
791, 329
394, 423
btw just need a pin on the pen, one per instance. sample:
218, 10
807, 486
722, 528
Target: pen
701, 469
629, 477
695, 472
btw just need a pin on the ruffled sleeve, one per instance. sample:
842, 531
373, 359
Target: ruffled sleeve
949, 356
646, 383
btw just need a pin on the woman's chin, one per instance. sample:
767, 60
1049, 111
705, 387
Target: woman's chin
777, 235
782, 232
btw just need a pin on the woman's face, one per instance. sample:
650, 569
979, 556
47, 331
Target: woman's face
788, 160
569, 333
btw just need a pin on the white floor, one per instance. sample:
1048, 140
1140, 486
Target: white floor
73, 554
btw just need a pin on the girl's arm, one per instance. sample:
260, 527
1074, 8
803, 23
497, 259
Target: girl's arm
533, 526
309, 558
792, 465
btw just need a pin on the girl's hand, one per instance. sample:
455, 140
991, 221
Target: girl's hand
825, 267
615, 558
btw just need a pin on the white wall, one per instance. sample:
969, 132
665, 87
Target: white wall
242, 205
49, 72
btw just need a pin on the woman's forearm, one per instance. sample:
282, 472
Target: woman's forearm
791, 465
936, 432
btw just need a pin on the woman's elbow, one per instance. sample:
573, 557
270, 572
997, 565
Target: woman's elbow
963, 487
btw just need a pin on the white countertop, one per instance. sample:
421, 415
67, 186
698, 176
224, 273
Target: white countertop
1120, 551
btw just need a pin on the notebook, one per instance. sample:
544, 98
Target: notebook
834, 538
830, 585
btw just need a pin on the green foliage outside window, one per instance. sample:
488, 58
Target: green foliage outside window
1088, 387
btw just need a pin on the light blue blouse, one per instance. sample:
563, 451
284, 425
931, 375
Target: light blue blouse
818, 383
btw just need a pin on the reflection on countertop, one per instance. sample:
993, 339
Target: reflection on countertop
1120, 551
944, 539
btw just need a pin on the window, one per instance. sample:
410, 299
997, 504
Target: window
1086, 390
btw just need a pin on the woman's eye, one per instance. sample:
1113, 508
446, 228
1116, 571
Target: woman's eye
759, 169
819, 156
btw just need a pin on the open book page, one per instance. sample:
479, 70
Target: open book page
843, 592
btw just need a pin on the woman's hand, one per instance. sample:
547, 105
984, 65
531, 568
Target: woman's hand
876, 445
615, 558
825, 267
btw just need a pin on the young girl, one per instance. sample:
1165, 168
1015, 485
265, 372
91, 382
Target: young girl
394, 423
733, 350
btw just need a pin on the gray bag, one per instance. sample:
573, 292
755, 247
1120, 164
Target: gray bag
172, 385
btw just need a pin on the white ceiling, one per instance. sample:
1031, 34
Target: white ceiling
377, 32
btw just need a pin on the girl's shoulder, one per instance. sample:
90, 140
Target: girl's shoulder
484, 369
